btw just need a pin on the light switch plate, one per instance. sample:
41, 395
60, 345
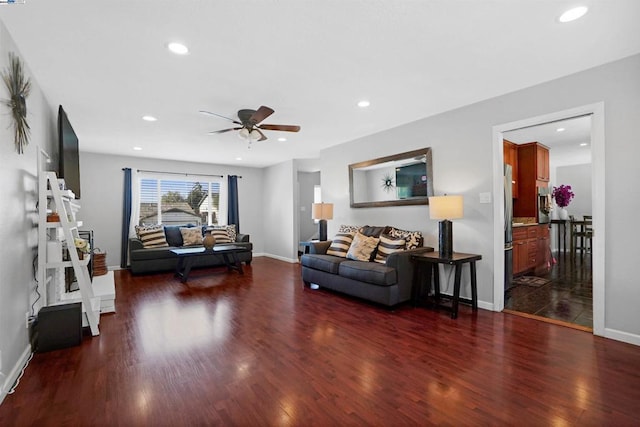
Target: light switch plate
485, 197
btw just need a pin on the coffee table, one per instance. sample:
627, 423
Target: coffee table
187, 256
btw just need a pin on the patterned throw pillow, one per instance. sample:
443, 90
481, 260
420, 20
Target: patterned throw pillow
387, 246
413, 238
340, 245
191, 236
229, 229
221, 235
362, 247
152, 236
353, 229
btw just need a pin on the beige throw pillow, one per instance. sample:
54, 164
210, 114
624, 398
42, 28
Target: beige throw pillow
362, 247
191, 236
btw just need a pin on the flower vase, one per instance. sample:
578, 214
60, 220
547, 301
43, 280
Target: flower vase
563, 214
209, 240
80, 254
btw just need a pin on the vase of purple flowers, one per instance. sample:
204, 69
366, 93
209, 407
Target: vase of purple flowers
563, 196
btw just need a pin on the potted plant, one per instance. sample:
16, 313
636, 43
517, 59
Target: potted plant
82, 246
563, 196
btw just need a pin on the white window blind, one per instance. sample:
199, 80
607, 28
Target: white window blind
174, 201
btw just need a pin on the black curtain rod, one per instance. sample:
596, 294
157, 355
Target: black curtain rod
181, 173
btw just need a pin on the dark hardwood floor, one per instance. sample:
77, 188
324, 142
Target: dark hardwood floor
260, 349
567, 296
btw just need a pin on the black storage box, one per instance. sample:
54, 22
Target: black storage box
58, 326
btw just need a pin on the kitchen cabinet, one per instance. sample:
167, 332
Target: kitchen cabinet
533, 164
530, 248
510, 151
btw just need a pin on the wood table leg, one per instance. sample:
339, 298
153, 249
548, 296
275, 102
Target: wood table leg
474, 286
456, 292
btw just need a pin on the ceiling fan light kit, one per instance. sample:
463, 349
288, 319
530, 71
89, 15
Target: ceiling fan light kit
249, 121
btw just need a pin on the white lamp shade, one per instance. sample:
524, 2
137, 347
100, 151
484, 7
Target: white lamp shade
445, 207
255, 135
322, 210
243, 133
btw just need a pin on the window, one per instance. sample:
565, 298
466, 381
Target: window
172, 201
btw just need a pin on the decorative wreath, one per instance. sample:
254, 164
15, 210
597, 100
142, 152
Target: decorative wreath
19, 89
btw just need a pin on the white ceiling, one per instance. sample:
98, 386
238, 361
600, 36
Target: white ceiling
106, 62
566, 147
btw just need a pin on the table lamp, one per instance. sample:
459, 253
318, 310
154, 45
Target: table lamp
445, 208
322, 212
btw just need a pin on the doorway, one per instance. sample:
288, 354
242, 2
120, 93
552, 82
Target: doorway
596, 111
560, 289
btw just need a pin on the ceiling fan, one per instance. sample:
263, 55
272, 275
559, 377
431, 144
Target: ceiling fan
249, 126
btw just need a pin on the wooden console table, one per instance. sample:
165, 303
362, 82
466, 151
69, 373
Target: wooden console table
187, 256
431, 260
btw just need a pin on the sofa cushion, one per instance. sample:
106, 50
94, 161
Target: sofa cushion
340, 245
191, 236
362, 247
372, 231
413, 238
327, 263
173, 235
152, 236
368, 272
151, 254
387, 246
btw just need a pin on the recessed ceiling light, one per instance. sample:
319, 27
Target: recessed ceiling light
583, 144
178, 48
238, 158
560, 130
573, 14
149, 118
137, 148
282, 139
364, 103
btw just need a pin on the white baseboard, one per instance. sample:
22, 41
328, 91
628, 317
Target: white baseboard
622, 336
278, 257
15, 373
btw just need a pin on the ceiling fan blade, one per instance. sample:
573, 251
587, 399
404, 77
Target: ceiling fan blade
262, 113
219, 115
262, 135
286, 128
224, 130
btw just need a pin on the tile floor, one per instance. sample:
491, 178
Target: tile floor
567, 297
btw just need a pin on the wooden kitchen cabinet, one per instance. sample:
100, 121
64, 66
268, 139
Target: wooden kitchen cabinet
510, 151
530, 248
533, 164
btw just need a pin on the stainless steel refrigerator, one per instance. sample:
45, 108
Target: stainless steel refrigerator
508, 220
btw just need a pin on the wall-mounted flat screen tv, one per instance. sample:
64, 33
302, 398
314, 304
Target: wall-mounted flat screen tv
69, 167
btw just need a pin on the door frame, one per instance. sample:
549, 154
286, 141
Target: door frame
596, 111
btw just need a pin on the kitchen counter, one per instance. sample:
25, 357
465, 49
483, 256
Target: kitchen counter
522, 224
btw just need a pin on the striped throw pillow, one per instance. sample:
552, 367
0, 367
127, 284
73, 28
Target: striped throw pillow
389, 245
221, 235
152, 236
340, 245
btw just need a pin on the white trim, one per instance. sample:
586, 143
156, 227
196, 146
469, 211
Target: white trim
281, 258
15, 373
614, 334
596, 111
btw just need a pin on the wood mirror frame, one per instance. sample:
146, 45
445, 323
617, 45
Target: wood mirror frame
374, 183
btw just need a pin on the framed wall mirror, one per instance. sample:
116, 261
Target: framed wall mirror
397, 180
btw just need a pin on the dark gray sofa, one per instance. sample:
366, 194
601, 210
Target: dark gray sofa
154, 260
388, 284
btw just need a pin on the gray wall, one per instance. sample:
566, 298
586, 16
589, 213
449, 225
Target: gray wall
278, 211
19, 233
306, 182
463, 164
579, 178
102, 189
